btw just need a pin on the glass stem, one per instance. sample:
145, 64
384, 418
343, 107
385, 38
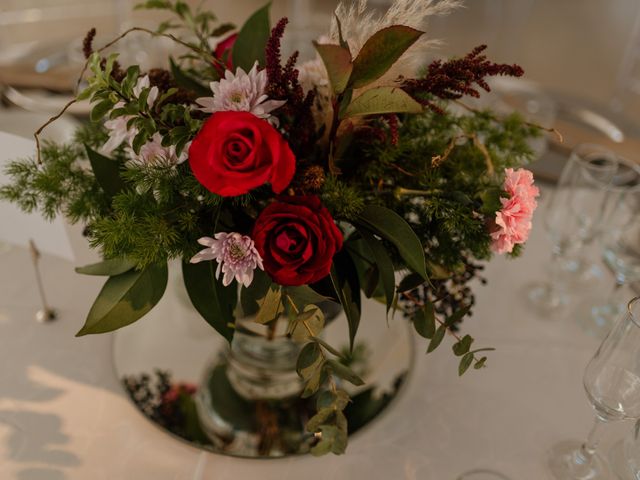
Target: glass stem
555, 284
588, 448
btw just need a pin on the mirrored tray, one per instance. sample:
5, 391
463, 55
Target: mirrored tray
163, 358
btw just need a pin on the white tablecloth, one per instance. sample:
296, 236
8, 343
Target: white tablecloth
63, 414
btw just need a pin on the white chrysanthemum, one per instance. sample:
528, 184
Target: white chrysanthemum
240, 92
117, 127
153, 153
236, 255
358, 23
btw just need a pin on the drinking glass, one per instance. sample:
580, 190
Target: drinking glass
573, 218
620, 243
612, 384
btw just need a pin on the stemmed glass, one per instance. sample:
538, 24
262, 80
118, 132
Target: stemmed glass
612, 383
620, 242
573, 219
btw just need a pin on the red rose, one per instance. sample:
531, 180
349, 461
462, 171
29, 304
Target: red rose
223, 52
297, 238
235, 152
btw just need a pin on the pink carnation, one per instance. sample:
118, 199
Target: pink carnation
513, 222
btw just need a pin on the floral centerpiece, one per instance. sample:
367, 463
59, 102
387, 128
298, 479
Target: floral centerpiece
284, 184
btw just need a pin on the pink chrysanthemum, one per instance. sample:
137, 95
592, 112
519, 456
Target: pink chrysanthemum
240, 92
236, 255
512, 224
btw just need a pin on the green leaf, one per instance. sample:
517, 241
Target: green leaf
424, 321
491, 200
315, 422
462, 346
437, 338
381, 100
344, 372
344, 278
252, 40
327, 347
391, 226
327, 440
251, 295
337, 61
108, 268
139, 140
309, 323
186, 81
100, 109
457, 315
270, 306
465, 363
309, 360
125, 298
304, 295
380, 52
338, 400
213, 301
410, 282
133, 72
106, 171
480, 363
383, 262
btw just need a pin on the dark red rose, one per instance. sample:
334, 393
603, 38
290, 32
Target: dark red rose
235, 152
297, 238
223, 52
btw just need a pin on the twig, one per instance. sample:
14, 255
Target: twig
485, 153
100, 50
437, 160
531, 124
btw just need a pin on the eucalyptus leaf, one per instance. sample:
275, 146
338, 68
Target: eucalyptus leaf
252, 39
344, 372
380, 52
480, 363
315, 422
391, 226
308, 323
309, 360
437, 338
381, 100
424, 321
215, 302
108, 268
462, 346
326, 346
270, 306
125, 298
465, 363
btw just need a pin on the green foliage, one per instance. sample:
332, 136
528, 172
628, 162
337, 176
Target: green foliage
380, 52
213, 301
252, 39
343, 200
62, 185
125, 298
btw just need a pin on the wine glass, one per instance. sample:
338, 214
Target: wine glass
612, 384
573, 219
620, 243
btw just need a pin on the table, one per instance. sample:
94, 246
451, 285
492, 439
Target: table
63, 414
